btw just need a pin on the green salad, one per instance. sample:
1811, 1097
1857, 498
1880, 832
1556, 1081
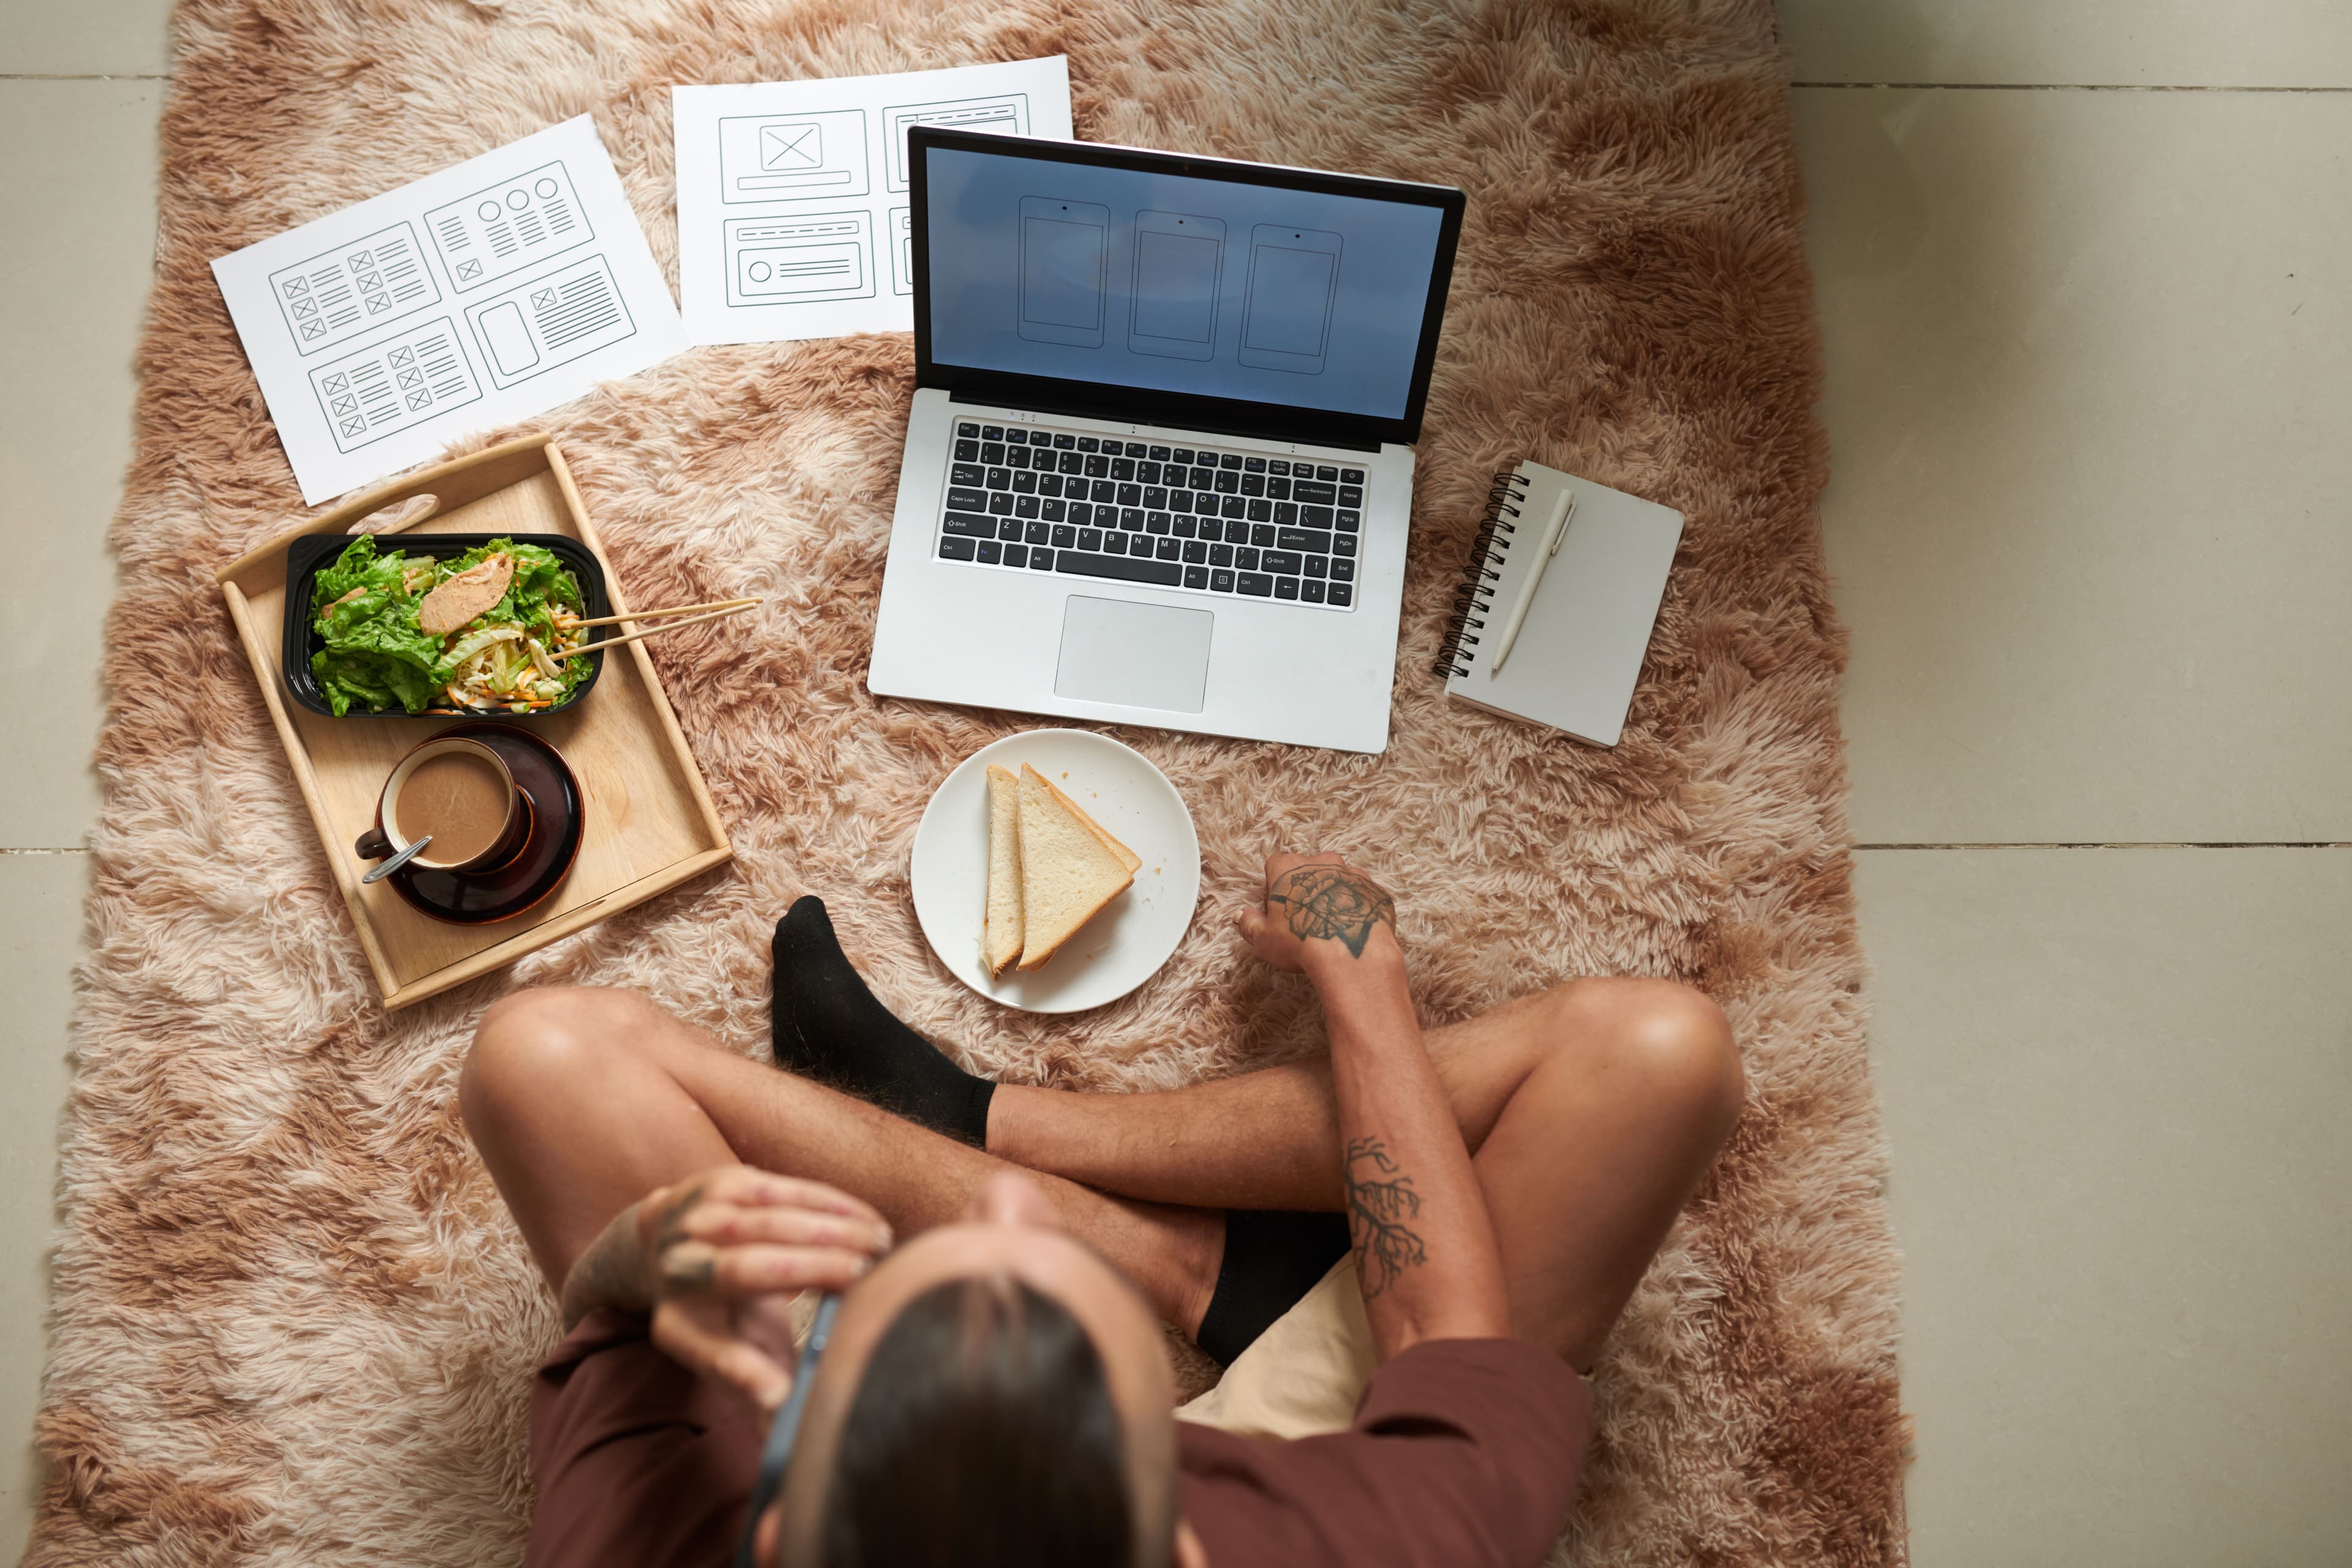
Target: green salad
481, 632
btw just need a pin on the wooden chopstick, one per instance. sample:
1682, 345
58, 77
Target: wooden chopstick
654, 631
673, 610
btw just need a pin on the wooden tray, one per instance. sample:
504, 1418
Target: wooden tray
650, 824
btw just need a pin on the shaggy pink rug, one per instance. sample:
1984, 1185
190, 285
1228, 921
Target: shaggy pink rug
293, 1323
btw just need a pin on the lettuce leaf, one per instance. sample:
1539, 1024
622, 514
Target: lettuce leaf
376, 655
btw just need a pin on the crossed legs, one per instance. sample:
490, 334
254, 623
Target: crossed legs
1592, 1112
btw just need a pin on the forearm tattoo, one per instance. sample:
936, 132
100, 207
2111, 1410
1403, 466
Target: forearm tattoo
1381, 1199
1336, 902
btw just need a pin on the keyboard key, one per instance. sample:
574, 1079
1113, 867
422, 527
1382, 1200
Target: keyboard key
1343, 570
1048, 484
1163, 550
1286, 587
968, 429
991, 552
1277, 467
967, 451
1114, 545
1158, 454
970, 524
1122, 468
967, 474
1279, 489
1326, 472
1180, 455
1064, 443
1136, 448
1054, 511
1156, 522
1307, 539
1025, 483
1126, 568
1037, 533
966, 500
1319, 567
1350, 521
1340, 593
1130, 519
1253, 484
1064, 536
1202, 479
1265, 535
1000, 502
1016, 555
1221, 555
1186, 527
992, 454
1261, 510
1351, 495
1098, 466
1196, 576
1081, 513
1088, 444
1024, 506
993, 432
1155, 499
1286, 513
1011, 528
1016, 436
1179, 500
1230, 460
1228, 484
1041, 560
998, 479
1311, 591
1220, 581
1234, 506
1196, 550
1104, 490
1091, 539
1283, 562
1351, 476
1130, 495
1257, 585
1146, 473
1237, 533
1254, 464
1314, 491
1246, 558
1016, 457
1343, 544
1070, 463
954, 549
1315, 516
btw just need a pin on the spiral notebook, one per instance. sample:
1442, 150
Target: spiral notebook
1577, 652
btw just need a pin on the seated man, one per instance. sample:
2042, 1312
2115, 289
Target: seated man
995, 1390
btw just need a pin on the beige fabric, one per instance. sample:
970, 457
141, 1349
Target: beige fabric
1304, 1373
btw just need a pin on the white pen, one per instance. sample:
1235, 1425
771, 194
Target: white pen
1554, 531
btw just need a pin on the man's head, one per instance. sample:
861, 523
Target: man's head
994, 1394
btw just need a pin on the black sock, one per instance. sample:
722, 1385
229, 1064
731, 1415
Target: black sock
1272, 1258
828, 1027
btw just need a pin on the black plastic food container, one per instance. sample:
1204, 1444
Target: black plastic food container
307, 557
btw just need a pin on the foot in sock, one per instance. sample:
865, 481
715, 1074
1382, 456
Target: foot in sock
1273, 1257
828, 1027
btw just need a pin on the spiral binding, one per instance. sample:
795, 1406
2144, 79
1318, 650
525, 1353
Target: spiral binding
1476, 594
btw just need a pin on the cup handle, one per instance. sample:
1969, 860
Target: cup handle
373, 845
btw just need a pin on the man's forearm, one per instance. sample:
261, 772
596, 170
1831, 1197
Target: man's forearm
1425, 1249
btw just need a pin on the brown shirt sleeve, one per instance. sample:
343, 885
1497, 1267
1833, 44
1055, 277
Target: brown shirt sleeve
1466, 1454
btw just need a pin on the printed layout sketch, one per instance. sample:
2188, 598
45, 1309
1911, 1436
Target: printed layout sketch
403, 381
338, 295
1005, 114
794, 261
902, 250
1065, 267
793, 157
1180, 263
550, 322
1287, 317
513, 224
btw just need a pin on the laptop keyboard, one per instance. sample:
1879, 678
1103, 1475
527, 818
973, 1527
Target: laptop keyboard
1029, 500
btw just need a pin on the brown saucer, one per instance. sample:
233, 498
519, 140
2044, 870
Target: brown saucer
558, 815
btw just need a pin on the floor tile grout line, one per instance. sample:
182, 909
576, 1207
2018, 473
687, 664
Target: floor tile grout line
2053, 86
84, 75
41, 849
2131, 844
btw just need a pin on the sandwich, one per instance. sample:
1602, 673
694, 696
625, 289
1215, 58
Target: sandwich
1051, 869
1001, 931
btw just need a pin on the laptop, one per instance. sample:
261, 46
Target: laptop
1159, 467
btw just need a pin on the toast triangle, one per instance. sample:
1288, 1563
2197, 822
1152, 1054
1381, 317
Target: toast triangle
1000, 927
1069, 870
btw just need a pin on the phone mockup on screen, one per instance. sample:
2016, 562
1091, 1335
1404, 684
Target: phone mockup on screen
1180, 261
1064, 270
1286, 318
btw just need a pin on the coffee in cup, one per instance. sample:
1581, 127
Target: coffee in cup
459, 794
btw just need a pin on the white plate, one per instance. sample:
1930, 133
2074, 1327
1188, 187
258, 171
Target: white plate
1118, 950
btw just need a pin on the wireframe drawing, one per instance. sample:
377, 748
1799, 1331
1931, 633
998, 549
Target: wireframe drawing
1180, 263
793, 157
549, 322
403, 381
902, 250
1003, 113
1064, 270
1286, 316
339, 294
800, 258
500, 229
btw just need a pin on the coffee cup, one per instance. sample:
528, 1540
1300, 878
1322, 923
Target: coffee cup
458, 795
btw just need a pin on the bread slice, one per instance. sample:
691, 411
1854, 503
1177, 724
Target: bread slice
1069, 869
1126, 858
1001, 927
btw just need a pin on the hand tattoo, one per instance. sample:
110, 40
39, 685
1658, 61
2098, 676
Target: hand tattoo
1380, 1201
1333, 901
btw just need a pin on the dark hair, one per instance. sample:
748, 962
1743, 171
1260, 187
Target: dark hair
982, 1436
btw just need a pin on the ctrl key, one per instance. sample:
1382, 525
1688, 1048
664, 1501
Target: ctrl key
954, 549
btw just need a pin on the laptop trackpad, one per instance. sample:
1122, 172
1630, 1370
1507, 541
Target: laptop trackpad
1138, 655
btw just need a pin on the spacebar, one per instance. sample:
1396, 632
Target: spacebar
1126, 568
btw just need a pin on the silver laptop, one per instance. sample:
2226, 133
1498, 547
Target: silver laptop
1159, 467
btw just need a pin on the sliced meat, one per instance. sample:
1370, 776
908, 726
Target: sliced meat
465, 595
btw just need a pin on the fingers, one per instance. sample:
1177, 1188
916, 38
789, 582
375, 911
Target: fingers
733, 1224
700, 1269
746, 1187
699, 1337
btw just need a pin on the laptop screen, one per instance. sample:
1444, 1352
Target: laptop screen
1241, 283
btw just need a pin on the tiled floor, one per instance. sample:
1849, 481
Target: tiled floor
2089, 356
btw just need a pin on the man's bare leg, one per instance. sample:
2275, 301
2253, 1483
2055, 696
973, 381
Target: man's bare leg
1592, 1112
584, 1101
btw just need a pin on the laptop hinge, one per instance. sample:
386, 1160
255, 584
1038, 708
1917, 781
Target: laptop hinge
1208, 427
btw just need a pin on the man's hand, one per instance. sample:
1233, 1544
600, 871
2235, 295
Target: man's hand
717, 1257
1319, 907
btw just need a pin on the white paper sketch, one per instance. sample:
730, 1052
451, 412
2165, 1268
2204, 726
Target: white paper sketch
793, 219
485, 293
